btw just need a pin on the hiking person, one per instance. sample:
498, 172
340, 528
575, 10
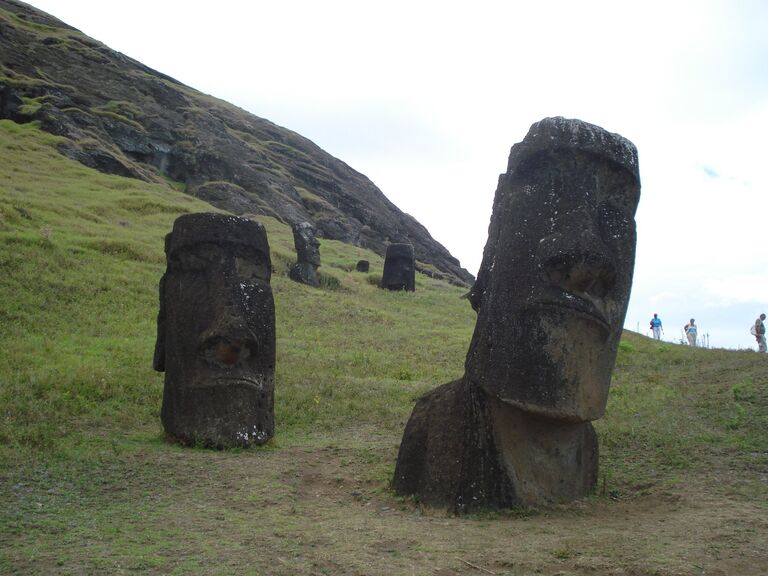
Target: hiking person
690, 330
656, 327
759, 332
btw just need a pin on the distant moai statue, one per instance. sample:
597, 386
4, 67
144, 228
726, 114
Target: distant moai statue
363, 266
551, 296
399, 268
307, 254
216, 332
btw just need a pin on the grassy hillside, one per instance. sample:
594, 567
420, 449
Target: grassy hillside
88, 484
126, 119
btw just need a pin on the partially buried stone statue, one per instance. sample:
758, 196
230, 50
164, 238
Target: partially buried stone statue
216, 332
307, 254
551, 296
399, 268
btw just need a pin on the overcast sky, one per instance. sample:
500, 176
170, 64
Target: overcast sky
426, 98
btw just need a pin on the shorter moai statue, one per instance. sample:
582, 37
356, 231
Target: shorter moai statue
216, 332
363, 266
551, 296
399, 268
307, 254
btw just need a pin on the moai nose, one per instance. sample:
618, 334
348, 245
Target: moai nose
581, 266
227, 347
228, 352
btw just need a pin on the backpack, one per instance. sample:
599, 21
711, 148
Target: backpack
753, 330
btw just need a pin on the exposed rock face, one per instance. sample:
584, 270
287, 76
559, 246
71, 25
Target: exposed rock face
119, 116
10, 103
307, 254
216, 332
363, 266
551, 297
399, 268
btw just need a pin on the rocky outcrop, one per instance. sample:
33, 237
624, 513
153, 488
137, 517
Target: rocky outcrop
119, 116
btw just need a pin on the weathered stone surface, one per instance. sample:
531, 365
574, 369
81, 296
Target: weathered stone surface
307, 254
399, 268
216, 332
124, 118
10, 103
465, 450
448, 455
363, 266
551, 297
554, 282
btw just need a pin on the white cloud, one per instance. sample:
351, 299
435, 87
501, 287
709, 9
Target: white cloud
737, 289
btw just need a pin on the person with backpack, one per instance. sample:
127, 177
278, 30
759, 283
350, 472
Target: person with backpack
656, 327
758, 330
690, 330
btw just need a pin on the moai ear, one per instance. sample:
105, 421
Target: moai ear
158, 362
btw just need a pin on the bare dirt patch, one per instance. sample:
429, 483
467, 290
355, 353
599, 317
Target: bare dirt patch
328, 510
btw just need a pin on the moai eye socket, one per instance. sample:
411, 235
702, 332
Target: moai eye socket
250, 270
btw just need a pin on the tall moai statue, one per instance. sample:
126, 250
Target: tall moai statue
399, 268
216, 332
551, 296
307, 254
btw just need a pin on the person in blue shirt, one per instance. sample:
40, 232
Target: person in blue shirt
656, 327
690, 331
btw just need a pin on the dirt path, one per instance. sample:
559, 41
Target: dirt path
318, 511
327, 510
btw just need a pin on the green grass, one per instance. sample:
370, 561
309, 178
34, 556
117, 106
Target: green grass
81, 444
78, 255
673, 409
81, 258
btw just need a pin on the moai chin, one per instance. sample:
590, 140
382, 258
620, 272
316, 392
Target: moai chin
307, 254
399, 268
551, 296
216, 332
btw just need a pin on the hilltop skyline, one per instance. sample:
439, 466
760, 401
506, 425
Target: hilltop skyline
427, 100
